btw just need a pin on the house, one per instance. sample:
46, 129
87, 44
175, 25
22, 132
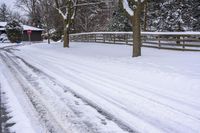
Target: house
36, 33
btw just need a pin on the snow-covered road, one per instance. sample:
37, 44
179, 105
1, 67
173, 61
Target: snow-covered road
100, 88
49, 105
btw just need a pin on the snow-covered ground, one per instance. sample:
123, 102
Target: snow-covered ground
155, 93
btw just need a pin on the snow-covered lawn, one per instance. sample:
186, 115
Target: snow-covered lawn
157, 92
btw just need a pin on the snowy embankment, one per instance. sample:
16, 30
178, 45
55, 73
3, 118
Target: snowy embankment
158, 92
22, 123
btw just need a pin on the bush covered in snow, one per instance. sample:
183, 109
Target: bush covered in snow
55, 36
14, 31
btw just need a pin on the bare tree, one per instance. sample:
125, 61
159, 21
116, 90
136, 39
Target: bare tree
93, 15
135, 13
32, 8
145, 15
67, 9
17, 16
46, 9
4, 12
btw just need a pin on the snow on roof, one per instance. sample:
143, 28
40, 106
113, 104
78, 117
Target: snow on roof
3, 24
25, 27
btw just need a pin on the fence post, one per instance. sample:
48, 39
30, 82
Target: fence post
114, 38
159, 45
125, 39
183, 42
104, 38
95, 38
81, 38
88, 37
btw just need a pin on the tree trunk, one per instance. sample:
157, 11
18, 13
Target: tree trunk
179, 26
48, 34
145, 15
136, 31
66, 35
48, 38
178, 37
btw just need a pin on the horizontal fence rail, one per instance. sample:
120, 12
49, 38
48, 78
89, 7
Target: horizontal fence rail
188, 41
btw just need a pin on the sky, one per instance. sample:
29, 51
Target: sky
11, 5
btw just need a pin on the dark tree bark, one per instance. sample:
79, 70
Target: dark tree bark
136, 22
67, 19
66, 34
145, 15
137, 8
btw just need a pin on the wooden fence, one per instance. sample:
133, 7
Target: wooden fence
188, 41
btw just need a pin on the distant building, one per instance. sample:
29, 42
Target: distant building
35, 36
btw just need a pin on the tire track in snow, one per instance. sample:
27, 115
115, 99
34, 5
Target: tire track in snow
35, 99
101, 74
139, 91
90, 103
5, 116
42, 108
103, 95
139, 115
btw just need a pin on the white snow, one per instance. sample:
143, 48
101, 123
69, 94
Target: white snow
25, 27
3, 24
143, 33
23, 124
65, 15
62, 14
158, 92
127, 8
